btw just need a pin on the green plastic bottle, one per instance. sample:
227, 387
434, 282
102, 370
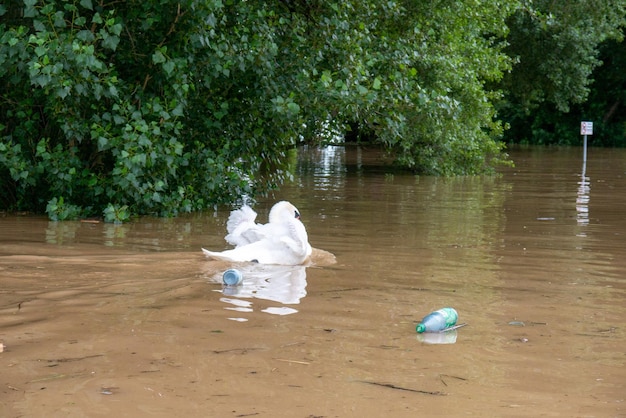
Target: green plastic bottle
438, 320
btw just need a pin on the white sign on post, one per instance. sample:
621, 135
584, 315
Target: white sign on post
586, 128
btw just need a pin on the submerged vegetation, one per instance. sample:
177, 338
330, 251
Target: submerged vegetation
118, 108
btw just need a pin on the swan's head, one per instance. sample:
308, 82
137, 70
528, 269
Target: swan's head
283, 212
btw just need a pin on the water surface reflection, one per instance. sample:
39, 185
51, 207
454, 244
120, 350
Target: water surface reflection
283, 284
582, 200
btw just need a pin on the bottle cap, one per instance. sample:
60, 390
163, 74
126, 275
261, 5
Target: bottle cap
420, 328
232, 277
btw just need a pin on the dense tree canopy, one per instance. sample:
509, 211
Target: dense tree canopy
113, 108
566, 53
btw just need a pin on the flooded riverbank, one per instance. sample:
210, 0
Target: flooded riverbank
131, 320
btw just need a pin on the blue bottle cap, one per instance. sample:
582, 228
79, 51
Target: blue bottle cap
232, 277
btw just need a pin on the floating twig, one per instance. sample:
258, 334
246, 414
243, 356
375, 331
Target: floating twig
70, 359
50, 377
291, 344
292, 361
241, 350
441, 376
452, 328
392, 386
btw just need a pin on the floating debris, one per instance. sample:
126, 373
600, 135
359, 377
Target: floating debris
108, 390
392, 386
292, 361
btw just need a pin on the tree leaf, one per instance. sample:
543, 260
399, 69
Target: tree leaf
293, 108
158, 57
86, 4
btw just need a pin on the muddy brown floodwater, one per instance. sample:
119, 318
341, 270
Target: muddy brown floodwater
131, 320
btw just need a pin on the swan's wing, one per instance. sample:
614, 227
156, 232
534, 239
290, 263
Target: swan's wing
282, 242
243, 235
241, 227
297, 239
242, 216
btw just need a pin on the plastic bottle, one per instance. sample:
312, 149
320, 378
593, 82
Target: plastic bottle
232, 277
438, 320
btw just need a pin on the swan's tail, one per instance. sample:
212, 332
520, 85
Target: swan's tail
216, 255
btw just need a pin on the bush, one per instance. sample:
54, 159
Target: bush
177, 106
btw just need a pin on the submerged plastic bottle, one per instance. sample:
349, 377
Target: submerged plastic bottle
232, 277
438, 320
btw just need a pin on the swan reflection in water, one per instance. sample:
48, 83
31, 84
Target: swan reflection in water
276, 283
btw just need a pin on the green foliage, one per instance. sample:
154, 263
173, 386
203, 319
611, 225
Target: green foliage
58, 210
607, 100
560, 48
116, 214
606, 107
557, 47
412, 78
95, 101
176, 106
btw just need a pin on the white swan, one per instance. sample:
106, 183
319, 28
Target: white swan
283, 240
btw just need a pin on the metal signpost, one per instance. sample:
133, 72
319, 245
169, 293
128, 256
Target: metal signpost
586, 128
582, 201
